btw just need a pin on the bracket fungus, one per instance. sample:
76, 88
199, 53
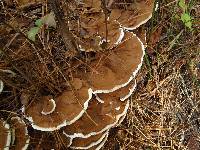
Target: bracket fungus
97, 99
5, 135
114, 35
97, 145
87, 143
108, 76
131, 15
14, 135
63, 110
91, 122
94, 34
100, 145
20, 134
121, 94
50, 114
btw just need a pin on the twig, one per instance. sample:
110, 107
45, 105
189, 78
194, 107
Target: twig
106, 16
67, 36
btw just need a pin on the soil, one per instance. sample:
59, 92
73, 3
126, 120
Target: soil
164, 110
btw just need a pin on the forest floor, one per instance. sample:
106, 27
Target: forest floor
165, 108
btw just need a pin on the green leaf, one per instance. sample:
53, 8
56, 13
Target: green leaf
182, 4
185, 17
187, 20
32, 33
188, 24
39, 22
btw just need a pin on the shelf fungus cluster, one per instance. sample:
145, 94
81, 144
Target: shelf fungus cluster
13, 135
98, 99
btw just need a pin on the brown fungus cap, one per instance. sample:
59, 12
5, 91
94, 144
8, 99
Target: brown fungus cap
49, 106
100, 145
95, 5
66, 141
94, 141
5, 135
99, 118
20, 134
70, 106
90, 24
87, 30
114, 34
95, 32
120, 94
92, 30
86, 143
131, 16
116, 68
90, 44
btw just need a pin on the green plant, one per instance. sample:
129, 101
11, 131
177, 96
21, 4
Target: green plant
33, 32
185, 16
48, 19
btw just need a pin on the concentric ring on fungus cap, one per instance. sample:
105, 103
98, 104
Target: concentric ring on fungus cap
100, 145
5, 135
87, 143
133, 15
121, 94
99, 118
50, 106
70, 106
118, 67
